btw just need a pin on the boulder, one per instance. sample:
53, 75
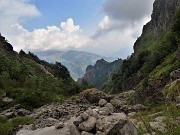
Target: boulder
88, 125
95, 114
139, 107
117, 102
59, 125
102, 102
94, 95
111, 125
7, 99
78, 121
84, 116
89, 111
110, 107
104, 111
100, 133
128, 129
86, 133
9, 115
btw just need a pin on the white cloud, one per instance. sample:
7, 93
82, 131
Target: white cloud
14, 11
115, 35
66, 36
122, 24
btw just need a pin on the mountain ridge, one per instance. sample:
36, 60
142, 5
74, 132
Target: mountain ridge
75, 61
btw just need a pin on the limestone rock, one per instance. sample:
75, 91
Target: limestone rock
89, 111
7, 99
86, 133
88, 125
139, 107
95, 114
59, 125
104, 111
84, 116
102, 102
111, 124
100, 133
78, 121
93, 95
128, 129
110, 107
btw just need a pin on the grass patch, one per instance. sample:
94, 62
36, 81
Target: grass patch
170, 111
170, 63
6, 127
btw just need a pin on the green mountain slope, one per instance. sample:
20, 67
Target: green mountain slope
75, 61
30, 81
155, 55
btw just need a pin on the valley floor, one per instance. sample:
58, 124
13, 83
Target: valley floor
156, 119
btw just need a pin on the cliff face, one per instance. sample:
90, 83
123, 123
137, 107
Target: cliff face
155, 55
163, 13
161, 18
98, 74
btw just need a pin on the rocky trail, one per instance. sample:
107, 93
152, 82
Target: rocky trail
91, 113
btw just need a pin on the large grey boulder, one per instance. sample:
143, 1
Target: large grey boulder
104, 111
102, 102
110, 107
88, 125
111, 124
128, 129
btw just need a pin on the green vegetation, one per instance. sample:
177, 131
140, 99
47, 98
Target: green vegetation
147, 69
170, 111
32, 82
6, 127
98, 75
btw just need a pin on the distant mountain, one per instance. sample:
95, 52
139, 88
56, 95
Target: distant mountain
100, 73
75, 61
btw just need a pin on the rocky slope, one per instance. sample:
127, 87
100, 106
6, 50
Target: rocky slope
155, 55
81, 116
99, 74
75, 61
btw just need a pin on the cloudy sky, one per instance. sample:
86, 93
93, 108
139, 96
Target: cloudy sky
105, 27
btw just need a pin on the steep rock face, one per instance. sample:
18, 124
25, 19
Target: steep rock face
161, 18
98, 74
163, 14
155, 55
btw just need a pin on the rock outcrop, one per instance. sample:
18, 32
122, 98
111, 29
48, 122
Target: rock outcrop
99, 74
90, 122
163, 13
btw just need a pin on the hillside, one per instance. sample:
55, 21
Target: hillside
99, 74
75, 61
156, 55
29, 81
